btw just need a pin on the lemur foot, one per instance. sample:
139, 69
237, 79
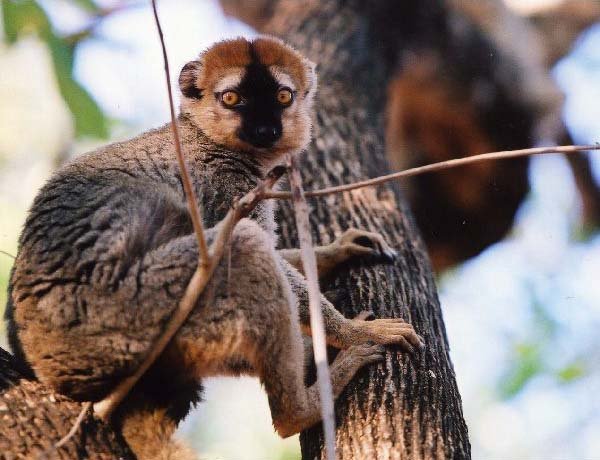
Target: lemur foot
360, 243
386, 331
357, 356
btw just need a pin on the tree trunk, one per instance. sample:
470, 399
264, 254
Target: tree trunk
402, 408
33, 418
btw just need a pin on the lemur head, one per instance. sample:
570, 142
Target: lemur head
254, 96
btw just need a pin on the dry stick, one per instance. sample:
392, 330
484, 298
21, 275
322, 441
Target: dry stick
84, 410
317, 325
438, 167
185, 175
202, 274
66, 438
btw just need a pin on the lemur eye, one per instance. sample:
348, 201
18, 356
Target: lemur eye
285, 96
230, 98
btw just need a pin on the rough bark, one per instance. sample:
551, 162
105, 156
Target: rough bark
400, 409
32, 419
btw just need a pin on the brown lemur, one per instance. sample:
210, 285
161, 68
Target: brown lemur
107, 251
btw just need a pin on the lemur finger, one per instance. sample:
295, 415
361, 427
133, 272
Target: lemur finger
415, 339
349, 235
360, 355
365, 315
385, 252
359, 250
375, 242
402, 343
372, 352
408, 333
377, 253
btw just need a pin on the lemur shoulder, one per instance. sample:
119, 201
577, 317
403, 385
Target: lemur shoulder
108, 249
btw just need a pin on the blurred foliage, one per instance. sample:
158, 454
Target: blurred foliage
526, 364
571, 372
532, 358
26, 17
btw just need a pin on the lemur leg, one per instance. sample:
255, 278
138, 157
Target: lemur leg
252, 327
295, 407
343, 332
352, 243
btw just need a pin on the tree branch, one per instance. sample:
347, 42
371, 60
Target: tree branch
317, 325
185, 175
440, 166
7, 254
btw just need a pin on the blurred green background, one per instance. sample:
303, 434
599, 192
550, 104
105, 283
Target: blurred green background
523, 317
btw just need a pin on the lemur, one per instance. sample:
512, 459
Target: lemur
107, 250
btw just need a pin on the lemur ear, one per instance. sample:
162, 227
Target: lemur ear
188, 79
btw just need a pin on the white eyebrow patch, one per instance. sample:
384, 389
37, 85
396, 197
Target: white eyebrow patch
231, 80
282, 78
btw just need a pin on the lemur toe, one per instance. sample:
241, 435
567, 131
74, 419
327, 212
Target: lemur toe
366, 353
377, 249
365, 315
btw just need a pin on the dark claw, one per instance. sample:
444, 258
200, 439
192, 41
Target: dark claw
386, 256
389, 255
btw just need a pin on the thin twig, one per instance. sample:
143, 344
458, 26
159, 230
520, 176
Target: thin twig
438, 167
317, 324
7, 254
185, 175
200, 278
85, 408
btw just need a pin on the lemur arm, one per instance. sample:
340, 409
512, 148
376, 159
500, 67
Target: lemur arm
342, 332
352, 243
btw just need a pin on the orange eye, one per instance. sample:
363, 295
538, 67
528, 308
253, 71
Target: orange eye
230, 98
285, 96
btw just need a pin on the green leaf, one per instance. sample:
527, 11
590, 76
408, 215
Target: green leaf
89, 118
527, 364
87, 5
570, 372
23, 17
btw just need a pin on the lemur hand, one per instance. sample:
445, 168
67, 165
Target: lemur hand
360, 243
384, 331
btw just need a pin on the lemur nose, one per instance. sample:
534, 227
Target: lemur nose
266, 134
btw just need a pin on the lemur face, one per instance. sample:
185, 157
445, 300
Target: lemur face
255, 96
